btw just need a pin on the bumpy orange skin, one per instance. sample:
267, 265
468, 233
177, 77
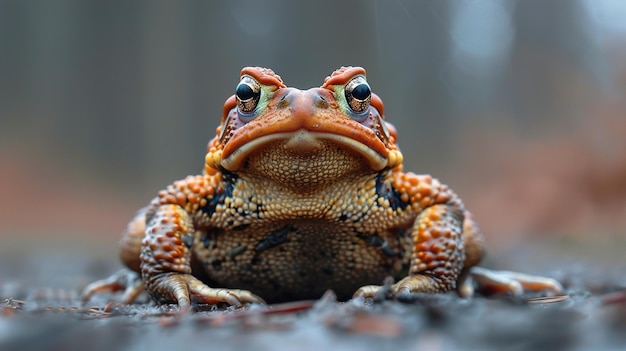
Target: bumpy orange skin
298, 197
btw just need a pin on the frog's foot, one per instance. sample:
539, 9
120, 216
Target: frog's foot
184, 288
497, 282
125, 280
410, 284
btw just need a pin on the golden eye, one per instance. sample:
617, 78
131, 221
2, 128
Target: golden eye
248, 93
358, 95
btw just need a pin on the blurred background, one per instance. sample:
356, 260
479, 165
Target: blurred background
520, 106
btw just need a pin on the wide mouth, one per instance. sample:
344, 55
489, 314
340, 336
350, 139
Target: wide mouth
306, 142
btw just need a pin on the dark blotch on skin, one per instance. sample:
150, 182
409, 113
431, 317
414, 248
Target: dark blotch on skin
236, 250
388, 251
211, 235
187, 239
376, 241
388, 192
217, 265
275, 238
229, 180
241, 227
206, 240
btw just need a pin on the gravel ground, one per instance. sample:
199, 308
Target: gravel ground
40, 310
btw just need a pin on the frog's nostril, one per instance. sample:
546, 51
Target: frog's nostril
319, 101
285, 100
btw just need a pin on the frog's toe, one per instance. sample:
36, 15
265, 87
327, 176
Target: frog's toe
368, 291
123, 280
233, 297
496, 282
416, 284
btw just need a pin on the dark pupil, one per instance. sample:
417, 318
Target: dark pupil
361, 92
244, 92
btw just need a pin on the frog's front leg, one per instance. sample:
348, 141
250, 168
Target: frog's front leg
438, 251
165, 262
438, 255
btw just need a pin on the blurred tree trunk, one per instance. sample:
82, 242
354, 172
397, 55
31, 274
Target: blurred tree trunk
552, 63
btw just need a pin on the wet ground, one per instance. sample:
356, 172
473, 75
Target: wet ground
40, 310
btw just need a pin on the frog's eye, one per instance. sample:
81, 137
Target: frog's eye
358, 95
248, 93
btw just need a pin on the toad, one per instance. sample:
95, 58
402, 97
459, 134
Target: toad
303, 191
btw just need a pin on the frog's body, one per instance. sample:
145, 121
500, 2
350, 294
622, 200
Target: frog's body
303, 191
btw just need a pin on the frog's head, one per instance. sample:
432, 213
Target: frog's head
303, 137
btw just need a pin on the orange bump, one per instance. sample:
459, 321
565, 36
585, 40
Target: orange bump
436, 248
181, 199
192, 198
433, 265
442, 256
434, 232
441, 272
404, 197
427, 257
170, 199
434, 215
424, 189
